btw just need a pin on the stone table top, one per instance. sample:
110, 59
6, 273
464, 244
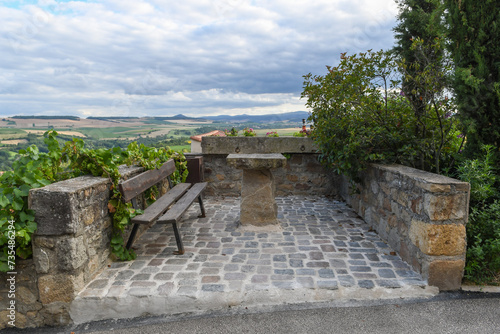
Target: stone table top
256, 161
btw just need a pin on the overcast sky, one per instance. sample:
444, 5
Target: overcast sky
191, 57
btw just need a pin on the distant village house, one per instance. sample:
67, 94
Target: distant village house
196, 140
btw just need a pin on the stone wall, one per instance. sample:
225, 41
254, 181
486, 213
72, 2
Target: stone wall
421, 215
70, 247
302, 175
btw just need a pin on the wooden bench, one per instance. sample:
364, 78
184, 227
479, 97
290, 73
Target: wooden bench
169, 208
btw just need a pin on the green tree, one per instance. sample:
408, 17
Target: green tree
360, 115
357, 113
417, 19
474, 34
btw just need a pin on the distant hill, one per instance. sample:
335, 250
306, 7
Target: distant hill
178, 117
72, 118
296, 116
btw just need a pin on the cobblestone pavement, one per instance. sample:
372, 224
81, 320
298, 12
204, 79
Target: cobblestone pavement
323, 250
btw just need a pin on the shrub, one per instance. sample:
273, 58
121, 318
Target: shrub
361, 115
249, 132
34, 169
483, 239
480, 173
232, 133
483, 228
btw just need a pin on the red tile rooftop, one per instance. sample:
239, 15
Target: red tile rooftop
219, 133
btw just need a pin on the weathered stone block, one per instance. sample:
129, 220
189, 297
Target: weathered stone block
386, 204
392, 220
296, 159
463, 186
258, 206
416, 205
444, 207
302, 186
59, 288
56, 314
86, 215
246, 145
436, 240
42, 260
446, 275
256, 161
44, 242
285, 187
402, 198
27, 300
57, 206
315, 168
318, 181
71, 253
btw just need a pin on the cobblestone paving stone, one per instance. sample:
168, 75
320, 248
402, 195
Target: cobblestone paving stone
323, 245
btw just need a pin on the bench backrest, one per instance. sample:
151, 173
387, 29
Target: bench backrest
139, 183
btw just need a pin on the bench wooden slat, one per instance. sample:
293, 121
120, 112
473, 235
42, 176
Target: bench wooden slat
138, 184
174, 214
158, 208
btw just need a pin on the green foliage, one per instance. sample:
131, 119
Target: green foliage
351, 118
36, 169
483, 228
232, 133
483, 240
249, 132
272, 134
480, 173
474, 34
32, 139
436, 122
417, 19
360, 115
300, 134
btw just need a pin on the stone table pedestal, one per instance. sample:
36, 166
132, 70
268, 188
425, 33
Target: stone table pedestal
258, 206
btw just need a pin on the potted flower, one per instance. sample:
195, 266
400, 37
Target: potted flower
232, 133
249, 132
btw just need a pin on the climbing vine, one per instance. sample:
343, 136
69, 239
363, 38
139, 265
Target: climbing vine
34, 169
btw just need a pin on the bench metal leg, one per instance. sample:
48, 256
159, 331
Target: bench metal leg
202, 208
178, 239
131, 238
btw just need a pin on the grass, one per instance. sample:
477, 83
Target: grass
181, 148
114, 132
8, 133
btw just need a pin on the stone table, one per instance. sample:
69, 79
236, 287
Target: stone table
258, 206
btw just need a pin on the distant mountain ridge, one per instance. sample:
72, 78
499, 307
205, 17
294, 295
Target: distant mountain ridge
295, 116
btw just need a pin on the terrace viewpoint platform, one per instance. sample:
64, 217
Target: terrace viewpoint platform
323, 252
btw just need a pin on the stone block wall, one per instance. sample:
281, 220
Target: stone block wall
421, 215
302, 175
70, 247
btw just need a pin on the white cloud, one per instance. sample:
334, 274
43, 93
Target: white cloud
163, 58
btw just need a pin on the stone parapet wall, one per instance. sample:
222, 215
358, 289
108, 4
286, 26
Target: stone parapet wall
303, 174
421, 215
70, 247
248, 145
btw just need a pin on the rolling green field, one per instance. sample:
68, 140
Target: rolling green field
8, 133
181, 148
158, 133
113, 132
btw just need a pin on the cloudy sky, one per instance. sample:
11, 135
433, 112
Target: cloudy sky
161, 58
